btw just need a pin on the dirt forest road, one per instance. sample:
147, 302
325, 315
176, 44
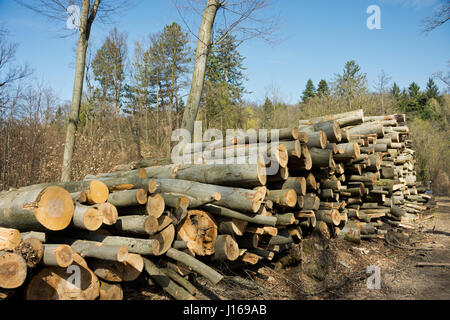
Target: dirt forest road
401, 279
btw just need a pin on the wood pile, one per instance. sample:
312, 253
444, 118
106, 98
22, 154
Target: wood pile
344, 175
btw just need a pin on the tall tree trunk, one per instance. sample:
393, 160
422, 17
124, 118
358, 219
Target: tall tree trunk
119, 131
87, 18
203, 44
157, 113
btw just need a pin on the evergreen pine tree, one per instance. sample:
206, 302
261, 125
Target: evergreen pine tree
310, 91
351, 84
395, 91
267, 109
322, 89
432, 91
224, 87
413, 90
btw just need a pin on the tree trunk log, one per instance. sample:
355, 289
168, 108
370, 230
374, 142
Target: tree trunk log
98, 250
255, 218
180, 280
56, 283
248, 240
196, 265
9, 239
231, 226
285, 219
97, 193
233, 198
367, 128
344, 119
234, 175
57, 255
127, 198
316, 139
284, 197
134, 245
160, 277
138, 225
329, 216
298, 184
165, 239
226, 248
51, 208
321, 158
113, 271
109, 213
13, 270
34, 235
155, 205
201, 229
87, 218
311, 202
31, 250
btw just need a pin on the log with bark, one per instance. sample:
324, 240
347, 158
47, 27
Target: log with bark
13, 270
41, 208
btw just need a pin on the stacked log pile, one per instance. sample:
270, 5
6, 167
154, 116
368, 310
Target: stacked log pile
343, 175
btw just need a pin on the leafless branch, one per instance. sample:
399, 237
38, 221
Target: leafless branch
445, 78
56, 10
244, 19
441, 16
8, 71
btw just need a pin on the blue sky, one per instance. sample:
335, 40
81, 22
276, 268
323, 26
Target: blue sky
317, 38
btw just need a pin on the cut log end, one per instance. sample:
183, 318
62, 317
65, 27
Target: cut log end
155, 205
152, 186
200, 230
55, 283
141, 196
122, 254
323, 139
9, 239
151, 225
226, 248
109, 213
93, 219
291, 198
282, 155
54, 208
13, 270
262, 174
217, 196
63, 255
98, 192
164, 240
258, 198
295, 133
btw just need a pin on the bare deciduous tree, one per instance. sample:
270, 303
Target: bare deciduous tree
445, 78
90, 9
239, 18
381, 86
9, 72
